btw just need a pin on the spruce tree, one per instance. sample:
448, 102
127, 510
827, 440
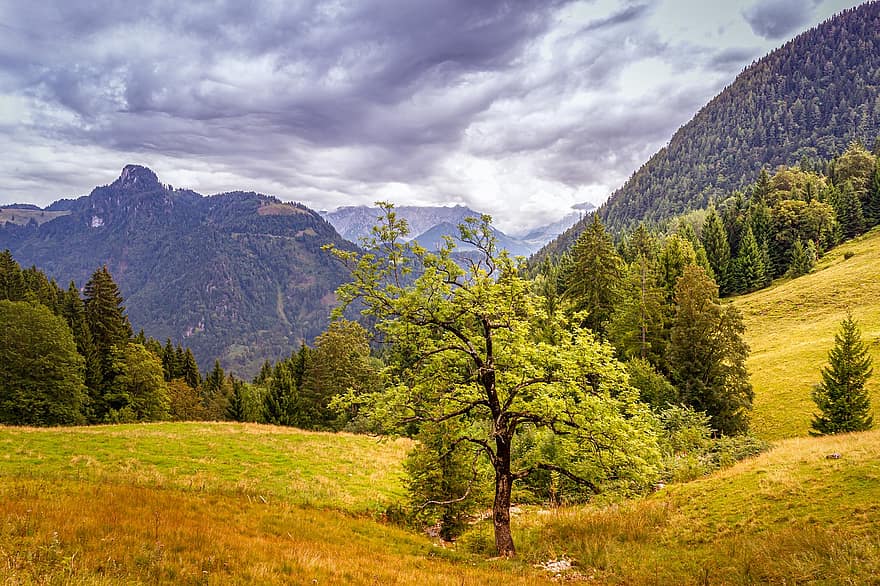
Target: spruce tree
11, 280
189, 370
592, 275
803, 258
849, 212
717, 249
843, 401
872, 202
110, 331
749, 270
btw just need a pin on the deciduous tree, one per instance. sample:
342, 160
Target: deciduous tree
468, 356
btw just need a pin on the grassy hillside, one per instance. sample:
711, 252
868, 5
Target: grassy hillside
199, 503
790, 516
352, 473
791, 327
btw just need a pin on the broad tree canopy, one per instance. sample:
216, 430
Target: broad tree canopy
470, 348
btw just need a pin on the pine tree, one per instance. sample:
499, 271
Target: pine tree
749, 269
717, 249
591, 276
849, 212
803, 258
843, 401
872, 202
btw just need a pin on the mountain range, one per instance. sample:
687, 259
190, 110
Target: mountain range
239, 276
428, 224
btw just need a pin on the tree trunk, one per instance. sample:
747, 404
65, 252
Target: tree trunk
501, 507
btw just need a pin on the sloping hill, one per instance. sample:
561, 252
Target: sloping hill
790, 516
809, 98
236, 276
791, 326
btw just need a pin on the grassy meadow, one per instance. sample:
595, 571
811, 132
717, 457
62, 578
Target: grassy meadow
791, 327
214, 503
229, 503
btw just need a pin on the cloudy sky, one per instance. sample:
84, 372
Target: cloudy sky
515, 108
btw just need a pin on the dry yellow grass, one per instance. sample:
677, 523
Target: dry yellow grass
790, 516
791, 328
78, 532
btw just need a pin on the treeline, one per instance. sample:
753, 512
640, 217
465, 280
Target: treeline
67, 358
783, 223
299, 389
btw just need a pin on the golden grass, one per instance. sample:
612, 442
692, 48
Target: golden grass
790, 516
78, 532
791, 328
349, 472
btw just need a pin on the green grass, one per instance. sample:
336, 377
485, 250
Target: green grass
352, 473
790, 516
791, 327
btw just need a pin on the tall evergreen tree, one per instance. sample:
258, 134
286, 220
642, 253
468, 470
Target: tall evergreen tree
110, 331
803, 258
849, 212
717, 249
872, 201
189, 370
591, 276
11, 280
843, 401
750, 273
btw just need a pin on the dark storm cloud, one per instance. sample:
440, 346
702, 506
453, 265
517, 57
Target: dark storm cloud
775, 19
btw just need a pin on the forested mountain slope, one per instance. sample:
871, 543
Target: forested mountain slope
236, 276
809, 98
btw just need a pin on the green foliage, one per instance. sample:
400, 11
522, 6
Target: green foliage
590, 276
872, 199
340, 362
654, 389
848, 208
40, 369
750, 270
843, 402
445, 485
707, 354
637, 327
803, 258
717, 249
138, 391
468, 354
184, 402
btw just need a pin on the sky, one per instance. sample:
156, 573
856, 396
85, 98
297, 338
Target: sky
519, 109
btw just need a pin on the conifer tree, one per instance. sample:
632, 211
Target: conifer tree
803, 258
717, 249
110, 331
11, 280
591, 277
849, 212
872, 202
749, 272
235, 410
707, 354
843, 401
189, 370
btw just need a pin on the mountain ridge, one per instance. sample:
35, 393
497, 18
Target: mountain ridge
238, 276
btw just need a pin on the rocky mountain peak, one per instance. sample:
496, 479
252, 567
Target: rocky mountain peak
137, 178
